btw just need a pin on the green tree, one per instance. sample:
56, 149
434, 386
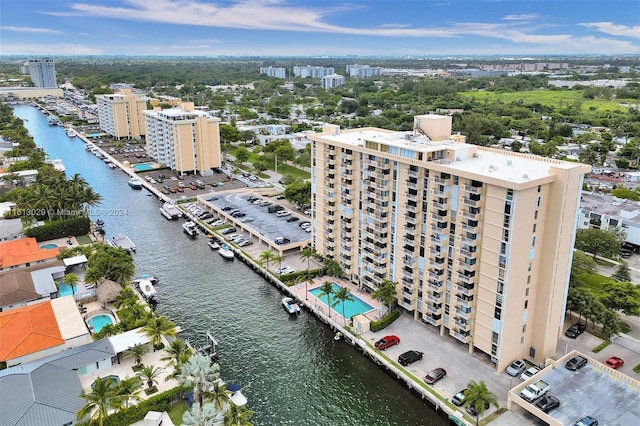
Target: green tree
71, 279
342, 295
150, 375
102, 397
298, 192
237, 416
266, 257
327, 290
623, 273
241, 155
599, 242
277, 258
332, 268
199, 374
582, 263
218, 395
178, 353
479, 396
156, 328
621, 296
386, 293
126, 298
137, 352
307, 254
202, 415
129, 389
111, 263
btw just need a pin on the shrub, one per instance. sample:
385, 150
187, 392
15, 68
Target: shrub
60, 228
291, 278
135, 413
385, 321
637, 368
601, 346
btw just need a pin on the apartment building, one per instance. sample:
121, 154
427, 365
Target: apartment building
363, 71
309, 71
43, 72
332, 81
120, 114
186, 140
478, 240
277, 72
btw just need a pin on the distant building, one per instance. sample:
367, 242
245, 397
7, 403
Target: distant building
363, 71
186, 140
274, 72
43, 72
332, 81
311, 71
24, 68
120, 114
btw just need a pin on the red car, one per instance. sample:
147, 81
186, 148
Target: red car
614, 362
435, 375
387, 341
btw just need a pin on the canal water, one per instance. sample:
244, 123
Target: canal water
292, 370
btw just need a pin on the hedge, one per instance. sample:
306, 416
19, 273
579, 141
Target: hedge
135, 413
385, 321
295, 275
60, 229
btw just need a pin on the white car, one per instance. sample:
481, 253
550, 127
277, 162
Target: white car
283, 213
285, 270
529, 373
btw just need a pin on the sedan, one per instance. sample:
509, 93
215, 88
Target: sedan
587, 421
459, 398
547, 403
576, 363
516, 367
614, 362
435, 375
387, 341
575, 330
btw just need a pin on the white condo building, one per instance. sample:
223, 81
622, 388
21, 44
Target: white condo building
312, 72
43, 72
331, 81
120, 114
274, 72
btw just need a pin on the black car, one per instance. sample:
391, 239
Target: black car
409, 357
547, 403
293, 218
472, 410
575, 330
576, 363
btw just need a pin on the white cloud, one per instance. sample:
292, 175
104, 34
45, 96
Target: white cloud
614, 29
49, 49
29, 30
524, 17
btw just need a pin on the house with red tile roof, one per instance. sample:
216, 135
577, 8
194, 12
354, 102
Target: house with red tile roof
24, 252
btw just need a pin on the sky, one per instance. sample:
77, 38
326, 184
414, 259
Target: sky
319, 27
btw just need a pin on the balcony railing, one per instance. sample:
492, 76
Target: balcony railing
430, 320
462, 337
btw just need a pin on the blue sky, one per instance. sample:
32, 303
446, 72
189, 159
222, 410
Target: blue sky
320, 27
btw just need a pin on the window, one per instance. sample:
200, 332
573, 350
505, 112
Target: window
535, 215
497, 314
526, 292
530, 266
539, 188
534, 227
532, 352
524, 328
526, 304
528, 282
522, 340
494, 337
533, 241
538, 202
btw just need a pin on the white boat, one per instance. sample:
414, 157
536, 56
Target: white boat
214, 245
124, 242
71, 133
147, 289
57, 164
226, 252
147, 277
135, 183
170, 211
290, 306
190, 229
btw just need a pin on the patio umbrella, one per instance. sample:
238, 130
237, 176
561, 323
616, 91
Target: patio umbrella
107, 291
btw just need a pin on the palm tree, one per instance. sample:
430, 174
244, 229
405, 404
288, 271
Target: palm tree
480, 397
279, 259
199, 374
237, 416
307, 253
205, 415
150, 374
386, 293
129, 389
178, 353
265, 257
157, 327
342, 295
333, 268
103, 396
327, 290
71, 279
136, 352
126, 298
217, 395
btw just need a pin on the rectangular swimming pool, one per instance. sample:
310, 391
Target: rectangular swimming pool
351, 308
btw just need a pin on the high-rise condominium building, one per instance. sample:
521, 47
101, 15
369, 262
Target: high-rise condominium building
274, 72
331, 81
43, 72
186, 140
479, 240
363, 71
312, 71
120, 114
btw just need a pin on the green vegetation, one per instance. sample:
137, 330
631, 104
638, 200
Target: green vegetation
60, 228
599, 242
135, 413
384, 321
479, 396
176, 410
636, 369
601, 346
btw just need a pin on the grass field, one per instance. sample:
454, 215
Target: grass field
283, 169
592, 282
176, 410
554, 98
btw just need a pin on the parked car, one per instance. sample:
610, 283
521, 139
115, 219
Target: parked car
547, 403
409, 357
304, 223
228, 231
575, 330
435, 375
459, 398
245, 243
283, 213
293, 219
282, 240
529, 373
614, 362
576, 363
285, 270
472, 410
239, 214
516, 367
586, 421
387, 341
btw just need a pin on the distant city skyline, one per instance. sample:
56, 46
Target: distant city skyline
327, 28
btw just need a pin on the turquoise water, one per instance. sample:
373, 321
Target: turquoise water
65, 289
99, 321
143, 167
94, 135
114, 381
48, 246
358, 306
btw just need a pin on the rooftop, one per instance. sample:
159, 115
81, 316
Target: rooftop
24, 250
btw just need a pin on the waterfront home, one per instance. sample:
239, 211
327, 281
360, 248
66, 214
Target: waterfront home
19, 287
24, 252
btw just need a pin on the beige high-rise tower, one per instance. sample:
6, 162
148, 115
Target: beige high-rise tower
120, 114
479, 240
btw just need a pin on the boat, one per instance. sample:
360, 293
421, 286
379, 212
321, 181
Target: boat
112, 166
135, 183
57, 164
190, 229
124, 242
236, 396
147, 277
290, 306
213, 244
53, 120
71, 133
147, 289
170, 211
226, 252
99, 225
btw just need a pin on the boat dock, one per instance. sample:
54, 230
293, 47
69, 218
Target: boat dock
124, 242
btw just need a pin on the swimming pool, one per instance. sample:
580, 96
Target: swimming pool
99, 321
143, 167
48, 246
351, 308
113, 379
65, 289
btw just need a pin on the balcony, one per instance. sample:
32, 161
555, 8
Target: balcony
440, 206
470, 202
439, 180
470, 215
468, 227
408, 261
471, 189
407, 295
465, 303
441, 194
435, 285
464, 338
435, 299
430, 320
412, 209
433, 309
466, 290
435, 276
463, 314
468, 241
437, 239
469, 254
412, 173
462, 323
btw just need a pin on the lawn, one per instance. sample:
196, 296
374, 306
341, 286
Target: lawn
592, 282
176, 410
283, 169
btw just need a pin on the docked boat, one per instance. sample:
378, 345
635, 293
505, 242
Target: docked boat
226, 252
124, 242
99, 225
71, 133
213, 244
190, 229
170, 211
290, 306
147, 289
57, 164
147, 277
53, 120
112, 166
235, 395
135, 183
